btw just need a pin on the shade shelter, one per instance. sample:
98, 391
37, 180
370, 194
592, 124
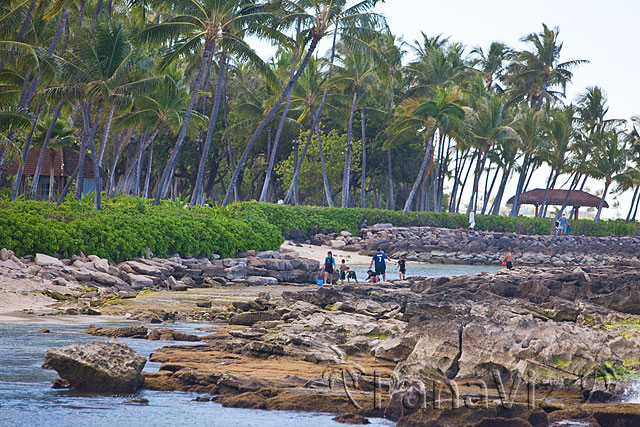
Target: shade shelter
577, 199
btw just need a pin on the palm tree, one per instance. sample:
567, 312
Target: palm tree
422, 119
203, 25
97, 71
356, 71
492, 64
535, 74
356, 24
609, 160
530, 132
488, 124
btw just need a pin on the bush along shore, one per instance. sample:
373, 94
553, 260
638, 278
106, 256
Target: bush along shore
311, 219
131, 227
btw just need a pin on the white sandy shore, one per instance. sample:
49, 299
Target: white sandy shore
320, 252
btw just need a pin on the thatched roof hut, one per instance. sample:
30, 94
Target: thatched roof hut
576, 199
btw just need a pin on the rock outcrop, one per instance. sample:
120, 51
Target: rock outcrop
100, 366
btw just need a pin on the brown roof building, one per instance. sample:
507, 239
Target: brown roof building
577, 199
57, 168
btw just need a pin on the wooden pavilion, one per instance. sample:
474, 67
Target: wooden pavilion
577, 199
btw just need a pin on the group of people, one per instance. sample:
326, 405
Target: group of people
563, 226
378, 263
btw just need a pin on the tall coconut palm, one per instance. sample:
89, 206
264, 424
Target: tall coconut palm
609, 160
317, 19
422, 119
203, 26
530, 132
492, 64
97, 72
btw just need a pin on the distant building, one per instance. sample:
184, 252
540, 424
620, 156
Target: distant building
57, 168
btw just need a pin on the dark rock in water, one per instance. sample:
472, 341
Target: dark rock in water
141, 401
250, 318
352, 419
170, 335
598, 396
202, 399
503, 422
100, 366
44, 331
59, 383
125, 332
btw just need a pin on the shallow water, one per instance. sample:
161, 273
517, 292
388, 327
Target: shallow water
26, 397
424, 270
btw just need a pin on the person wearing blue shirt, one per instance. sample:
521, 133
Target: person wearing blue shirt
329, 264
381, 266
563, 224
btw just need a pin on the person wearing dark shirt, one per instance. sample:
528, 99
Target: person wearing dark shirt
380, 264
371, 277
329, 263
402, 266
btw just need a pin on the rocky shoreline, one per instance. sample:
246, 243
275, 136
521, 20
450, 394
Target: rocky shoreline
457, 246
397, 349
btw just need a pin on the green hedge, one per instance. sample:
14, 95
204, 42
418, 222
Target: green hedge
126, 227
308, 219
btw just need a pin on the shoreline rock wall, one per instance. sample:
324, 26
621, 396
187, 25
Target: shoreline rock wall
457, 246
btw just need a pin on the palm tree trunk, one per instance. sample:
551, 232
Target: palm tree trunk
52, 177
3, 154
604, 195
107, 129
392, 202
325, 179
515, 209
272, 158
495, 208
485, 203
466, 177
423, 167
346, 175
67, 186
267, 119
147, 178
553, 185
111, 186
198, 188
633, 202
96, 167
207, 56
363, 189
476, 181
25, 154
43, 150
566, 197
635, 211
461, 160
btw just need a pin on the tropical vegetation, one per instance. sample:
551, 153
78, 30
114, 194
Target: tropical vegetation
171, 99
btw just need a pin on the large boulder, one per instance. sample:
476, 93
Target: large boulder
100, 366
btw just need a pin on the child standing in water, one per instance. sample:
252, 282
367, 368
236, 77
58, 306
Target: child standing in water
402, 266
508, 260
343, 271
329, 263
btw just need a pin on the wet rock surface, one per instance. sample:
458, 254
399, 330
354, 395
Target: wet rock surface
571, 332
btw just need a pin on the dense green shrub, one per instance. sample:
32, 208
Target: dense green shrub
126, 227
310, 218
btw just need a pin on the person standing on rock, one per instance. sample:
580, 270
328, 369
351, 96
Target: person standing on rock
563, 224
329, 263
402, 266
343, 271
508, 260
381, 266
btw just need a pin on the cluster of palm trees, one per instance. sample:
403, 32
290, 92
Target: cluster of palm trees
170, 98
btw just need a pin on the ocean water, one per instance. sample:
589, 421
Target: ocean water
27, 399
